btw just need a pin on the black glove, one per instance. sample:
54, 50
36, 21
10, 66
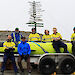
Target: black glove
9, 50
6, 50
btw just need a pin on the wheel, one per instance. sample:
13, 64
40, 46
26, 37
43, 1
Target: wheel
47, 66
67, 65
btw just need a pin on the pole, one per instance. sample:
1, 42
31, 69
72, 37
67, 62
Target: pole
35, 27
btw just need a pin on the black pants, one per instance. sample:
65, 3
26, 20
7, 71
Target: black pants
73, 48
58, 44
5, 59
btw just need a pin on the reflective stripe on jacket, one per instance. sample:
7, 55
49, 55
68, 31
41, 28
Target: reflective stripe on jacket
8, 45
46, 38
56, 36
73, 37
34, 37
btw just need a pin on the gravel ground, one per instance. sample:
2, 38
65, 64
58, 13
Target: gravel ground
34, 72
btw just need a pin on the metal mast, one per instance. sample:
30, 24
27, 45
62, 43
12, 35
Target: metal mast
35, 15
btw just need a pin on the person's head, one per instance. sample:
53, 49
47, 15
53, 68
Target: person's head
46, 32
17, 30
9, 38
23, 39
33, 30
74, 29
54, 30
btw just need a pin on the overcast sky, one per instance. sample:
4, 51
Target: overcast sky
58, 13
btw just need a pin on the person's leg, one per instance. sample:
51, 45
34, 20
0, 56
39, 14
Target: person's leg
61, 44
20, 64
28, 64
73, 48
12, 58
5, 58
56, 47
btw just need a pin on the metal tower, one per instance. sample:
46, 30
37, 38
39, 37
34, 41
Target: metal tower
35, 15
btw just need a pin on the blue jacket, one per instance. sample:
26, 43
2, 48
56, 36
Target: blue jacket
24, 48
16, 36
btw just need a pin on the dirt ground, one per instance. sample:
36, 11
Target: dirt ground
34, 72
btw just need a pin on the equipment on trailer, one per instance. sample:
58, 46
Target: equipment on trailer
48, 61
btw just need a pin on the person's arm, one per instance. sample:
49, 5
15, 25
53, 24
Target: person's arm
4, 46
6, 49
29, 38
39, 38
71, 38
50, 38
60, 36
12, 36
43, 38
21, 35
19, 50
13, 47
29, 50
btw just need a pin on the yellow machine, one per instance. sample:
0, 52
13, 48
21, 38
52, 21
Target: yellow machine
36, 48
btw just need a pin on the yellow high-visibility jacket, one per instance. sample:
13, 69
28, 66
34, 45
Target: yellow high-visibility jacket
73, 37
34, 37
55, 36
8, 44
46, 38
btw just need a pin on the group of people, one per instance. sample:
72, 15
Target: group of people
55, 38
13, 40
17, 39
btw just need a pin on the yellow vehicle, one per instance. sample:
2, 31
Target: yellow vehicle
48, 60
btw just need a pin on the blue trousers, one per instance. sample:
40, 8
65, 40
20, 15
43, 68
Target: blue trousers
58, 44
12, 58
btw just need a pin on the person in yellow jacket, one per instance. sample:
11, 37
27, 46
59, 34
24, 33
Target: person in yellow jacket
9, 47
46, 37
57, 43
73, 42
34, 36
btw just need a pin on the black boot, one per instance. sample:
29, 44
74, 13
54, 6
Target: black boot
17, 73
2, 73
29, 72
22, 73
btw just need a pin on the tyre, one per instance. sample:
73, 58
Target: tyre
47, 66
67, 65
